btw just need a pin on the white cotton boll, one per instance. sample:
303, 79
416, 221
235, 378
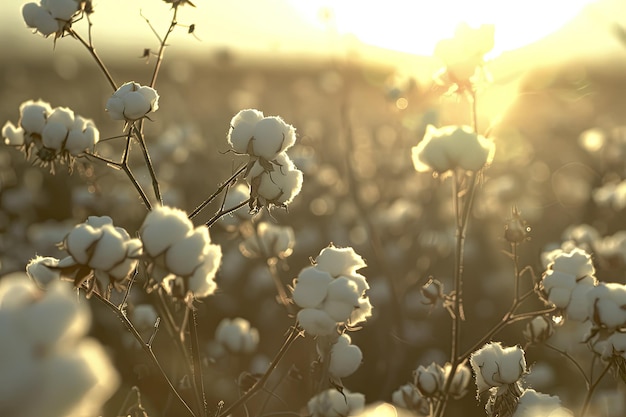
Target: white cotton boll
109, 250
76, 381
242, 129
45, 23
494, 365
237, 335
558, 286
115, 108
123, 269
162, 227
63, 116
12, 136
16, 290
607, 305
316, 322
430, 154
271, 136
332, 403
42, 270
533, 404
578, 308
33, 115
79, 240
360, 281
29, 13
135, 105
186, 254
54, 319
277, 240
469, 150
343, 290
339, 311
311, 287
577, 263
201, 283
339, 261
362, 312
281, 185
151, 96
53, 135
407, 396
62, 9
345, 358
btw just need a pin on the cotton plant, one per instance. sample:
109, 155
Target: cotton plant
132, 102
51, 135
269, 241
49, 366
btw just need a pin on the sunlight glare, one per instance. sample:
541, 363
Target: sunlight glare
415, 27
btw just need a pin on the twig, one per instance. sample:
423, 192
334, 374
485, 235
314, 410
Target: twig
95, 56
217, 192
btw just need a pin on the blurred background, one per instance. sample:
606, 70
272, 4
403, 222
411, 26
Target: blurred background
356, 80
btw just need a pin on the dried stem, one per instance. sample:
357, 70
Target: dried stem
217, 192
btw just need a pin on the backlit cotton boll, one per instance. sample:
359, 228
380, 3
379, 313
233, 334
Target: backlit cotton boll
463, 53
277, 186
48, 367
452, 147
332, 403
43, 270
345, 358
607, 305
533, 404
408, 396
237, 335
107, 250
316, 322
311, 287
269, 241
495, 366
258, 136
182, 258
50, 16
339, 261
132, 101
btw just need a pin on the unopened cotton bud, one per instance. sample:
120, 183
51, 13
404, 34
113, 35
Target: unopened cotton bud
345, 358
515, 229
432, 291
539, 329
429, 380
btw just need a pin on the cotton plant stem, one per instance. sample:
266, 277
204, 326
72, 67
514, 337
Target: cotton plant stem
293, 335
126, 168
197, 363
592, 389
95, 56
572, 360
221, 188
146, 348
146, 156
161, 53
223, 212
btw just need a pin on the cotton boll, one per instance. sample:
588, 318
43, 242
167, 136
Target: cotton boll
42, 270
345, 358
339, 261
115, 108
79, 240
430, 154
332, 403
316, 322
494, 365
311, 287
532, 404
16, 291
407, 396
577, 263
29, 13
162, 227
360, 281
201, 283
280, 186
42, 21
578, 308
63, 116
460, 380
429, 380
151, 97
339, 310
53, 135
62, 9
186, 254
33, 115
237, 335
362, 312
242, 129
135, 105
12, 136
607, 305
271, 136
109, 250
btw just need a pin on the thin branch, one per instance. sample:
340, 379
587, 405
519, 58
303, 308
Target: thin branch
146, 156
146, 348
293, 335
95, 56
222, 213
217, 192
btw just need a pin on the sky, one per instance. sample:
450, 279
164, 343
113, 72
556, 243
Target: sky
286, 27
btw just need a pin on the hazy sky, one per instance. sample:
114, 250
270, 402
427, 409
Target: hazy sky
287, 26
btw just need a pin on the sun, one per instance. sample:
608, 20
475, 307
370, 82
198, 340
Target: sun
416, 26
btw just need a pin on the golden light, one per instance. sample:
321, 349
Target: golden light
416, 26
